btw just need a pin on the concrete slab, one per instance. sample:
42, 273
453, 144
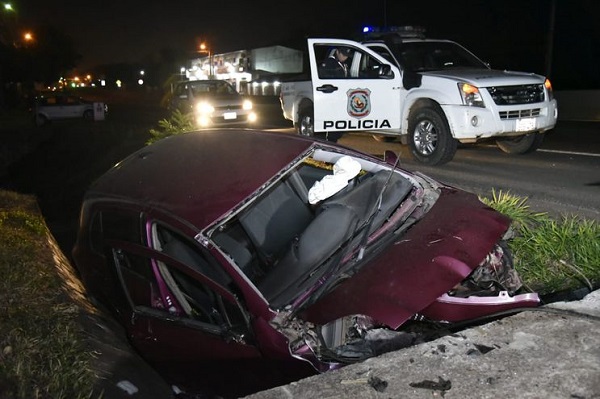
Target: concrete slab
550, 352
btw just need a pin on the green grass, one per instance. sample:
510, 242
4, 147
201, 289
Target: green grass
551, 255
42, 345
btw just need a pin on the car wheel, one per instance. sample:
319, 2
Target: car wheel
429, 137
306, 122
522, 144
88, 114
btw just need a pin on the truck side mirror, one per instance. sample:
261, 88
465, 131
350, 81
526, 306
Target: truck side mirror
385, 71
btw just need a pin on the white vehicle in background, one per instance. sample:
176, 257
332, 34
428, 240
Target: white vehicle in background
55, 105
212, 102
432, 94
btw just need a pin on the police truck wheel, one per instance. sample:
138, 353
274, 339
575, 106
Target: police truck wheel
429, 137
306, 122
522, 144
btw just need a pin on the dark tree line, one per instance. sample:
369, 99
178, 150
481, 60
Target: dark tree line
40, 61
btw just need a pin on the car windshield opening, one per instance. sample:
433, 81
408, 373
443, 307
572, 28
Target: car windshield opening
284, 243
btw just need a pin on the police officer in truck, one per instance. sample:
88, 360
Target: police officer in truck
335, 66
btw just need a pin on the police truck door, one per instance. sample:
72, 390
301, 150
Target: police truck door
364, 97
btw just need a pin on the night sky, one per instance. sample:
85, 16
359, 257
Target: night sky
510, 34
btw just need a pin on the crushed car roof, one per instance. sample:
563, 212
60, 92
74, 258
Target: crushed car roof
199, 176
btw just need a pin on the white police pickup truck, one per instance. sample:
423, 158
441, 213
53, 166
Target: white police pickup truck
432, 94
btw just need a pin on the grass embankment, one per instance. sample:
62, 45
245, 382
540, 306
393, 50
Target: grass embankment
551, 255
42, 346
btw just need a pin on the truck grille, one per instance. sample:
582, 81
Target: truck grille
512, 95
230, 107
520, 113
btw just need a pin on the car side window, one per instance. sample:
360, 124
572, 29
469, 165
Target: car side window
194, 298
115, 225
150, 283
158, 277
138, 280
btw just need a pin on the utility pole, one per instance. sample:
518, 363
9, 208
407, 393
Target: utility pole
385, 13
550, 38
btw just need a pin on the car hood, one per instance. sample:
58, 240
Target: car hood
437, 253
488, 77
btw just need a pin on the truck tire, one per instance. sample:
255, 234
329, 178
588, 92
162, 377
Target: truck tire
429, 137
306, 122
521, 144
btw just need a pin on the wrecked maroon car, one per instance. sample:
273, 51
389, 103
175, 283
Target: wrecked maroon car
248, 259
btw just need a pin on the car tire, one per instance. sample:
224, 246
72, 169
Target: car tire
306, 122
429, 137
521, 144
88, 114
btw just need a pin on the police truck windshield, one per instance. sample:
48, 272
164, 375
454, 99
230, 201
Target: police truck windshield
425, 56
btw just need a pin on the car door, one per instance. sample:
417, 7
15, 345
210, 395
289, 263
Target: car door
52, 107
366, 99
186, 317
61, 110
208, 336
73, 107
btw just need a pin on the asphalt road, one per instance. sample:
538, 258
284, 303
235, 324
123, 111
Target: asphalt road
561, 178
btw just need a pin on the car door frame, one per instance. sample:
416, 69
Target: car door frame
138, 312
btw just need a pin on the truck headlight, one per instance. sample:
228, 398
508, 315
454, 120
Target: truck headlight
247, 105
470, 95
204, 108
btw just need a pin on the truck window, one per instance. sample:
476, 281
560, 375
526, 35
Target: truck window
358, 64
369, 67
329, 66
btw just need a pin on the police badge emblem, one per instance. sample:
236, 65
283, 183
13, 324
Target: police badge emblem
359, 102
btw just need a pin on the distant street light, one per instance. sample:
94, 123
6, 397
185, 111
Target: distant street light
8, 23
28, 37
205, 49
